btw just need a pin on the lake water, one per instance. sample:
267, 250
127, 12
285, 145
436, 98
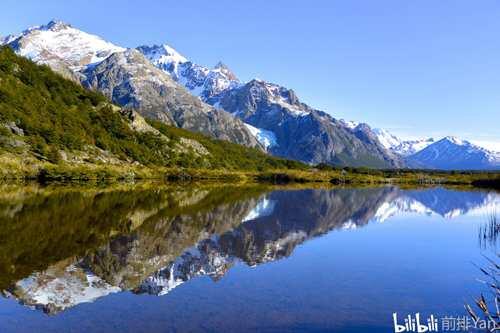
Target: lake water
158, 258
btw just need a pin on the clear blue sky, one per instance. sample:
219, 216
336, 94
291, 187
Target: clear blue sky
418, 68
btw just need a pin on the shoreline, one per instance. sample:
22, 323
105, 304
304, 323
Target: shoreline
53, 173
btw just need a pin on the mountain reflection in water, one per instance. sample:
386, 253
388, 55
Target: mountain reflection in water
63, 247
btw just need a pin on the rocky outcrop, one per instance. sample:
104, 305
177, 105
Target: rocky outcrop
131, 81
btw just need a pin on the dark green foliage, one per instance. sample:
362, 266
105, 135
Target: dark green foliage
51, 111
4, 131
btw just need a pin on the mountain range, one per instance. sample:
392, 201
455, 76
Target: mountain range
448, 153
161, 84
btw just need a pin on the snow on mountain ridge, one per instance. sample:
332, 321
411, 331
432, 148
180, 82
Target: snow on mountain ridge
457, 141
413, 204
52, 25
387, 139
164, 57
59, 40
208, 84
410, 147
285, 98
464, 143
4, 40
399, 206
453, 153
199, 80
349, 124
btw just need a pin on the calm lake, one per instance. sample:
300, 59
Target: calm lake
160, 258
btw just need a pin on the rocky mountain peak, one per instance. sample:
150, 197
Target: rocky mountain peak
162, 54
365, 133
455, 140
277, 93
130, 80
221, 65
199, 80
224, 69
55, 25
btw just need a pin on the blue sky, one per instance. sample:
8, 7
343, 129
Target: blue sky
417, 68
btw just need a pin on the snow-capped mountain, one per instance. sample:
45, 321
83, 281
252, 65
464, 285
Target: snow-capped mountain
410, 147
130, 80
387, 139
200, 81
453, 153
204, 259
399, 146
57, 289
59, 44
165, 58
447, 153
349, 123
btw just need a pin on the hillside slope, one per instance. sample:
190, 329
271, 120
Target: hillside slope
45, 117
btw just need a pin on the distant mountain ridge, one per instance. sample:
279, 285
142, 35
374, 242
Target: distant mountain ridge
399, 146
448, 153
453, 153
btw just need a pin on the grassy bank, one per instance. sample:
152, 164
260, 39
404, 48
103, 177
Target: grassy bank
13, 167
